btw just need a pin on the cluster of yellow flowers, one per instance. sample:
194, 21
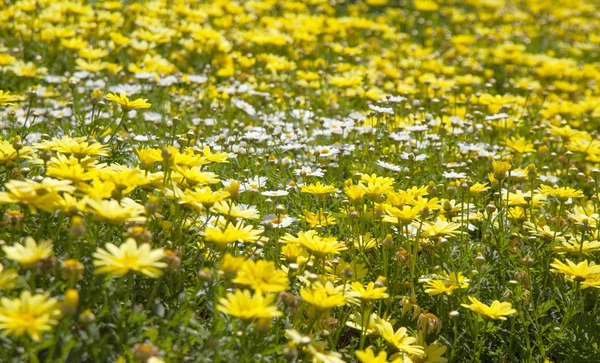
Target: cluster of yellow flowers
311, 180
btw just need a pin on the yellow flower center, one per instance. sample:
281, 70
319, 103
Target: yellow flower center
27, 318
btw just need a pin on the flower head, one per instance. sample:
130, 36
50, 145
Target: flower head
126, 104
498, 310
247, 306
27, 314
262, 276
30, 253
118, 261
318, 189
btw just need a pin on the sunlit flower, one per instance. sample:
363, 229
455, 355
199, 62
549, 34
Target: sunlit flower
29, 254
262, 276
123, 101
498, 310
28, 314
247, 306
118, 261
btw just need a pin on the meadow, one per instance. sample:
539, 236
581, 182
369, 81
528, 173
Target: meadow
299, 181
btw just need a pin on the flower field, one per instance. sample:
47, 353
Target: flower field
299, 181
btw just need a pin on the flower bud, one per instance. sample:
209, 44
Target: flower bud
479, 260
70, 302
428, 323
388, 241
77, 227
72, 269
172, 260
144, 351
97, 94
280, 209
233, 189
262, 325
527, 261
87, 317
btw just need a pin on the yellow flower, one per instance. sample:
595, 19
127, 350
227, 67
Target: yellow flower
30, 254
79, 147
433, 352
323, 297
8, 153
520, 144
500, 168
194, 176
126, 104
118, 261
262, 276
444, 283
6, 99
440, 228
562, 193
35, 193
368, 356
401, 216
370, 292
375, 185
399, 339
478, 188
209, 157
148, 157
244, 305
318, 189
319, 246
321, 218
8, 278
235, 210
573, 246
578, 272
232, 233
355, 192
27, 314
426, 5
29, 69
498, 310
205, 197
70, 302
125, 179
358, 321
71, 168
315, 348
230, 266
116, 212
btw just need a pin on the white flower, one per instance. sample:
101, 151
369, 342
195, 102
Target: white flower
194, 78
244, 106
275, 193
54, 79
167, 81
253, 184
145, 75
389, 166
126, 89
417, 128
454, 175
152, 116
307, 171
395, 99
325, 151
407, 156
378, 109
496, 116
281, 221
549, 179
